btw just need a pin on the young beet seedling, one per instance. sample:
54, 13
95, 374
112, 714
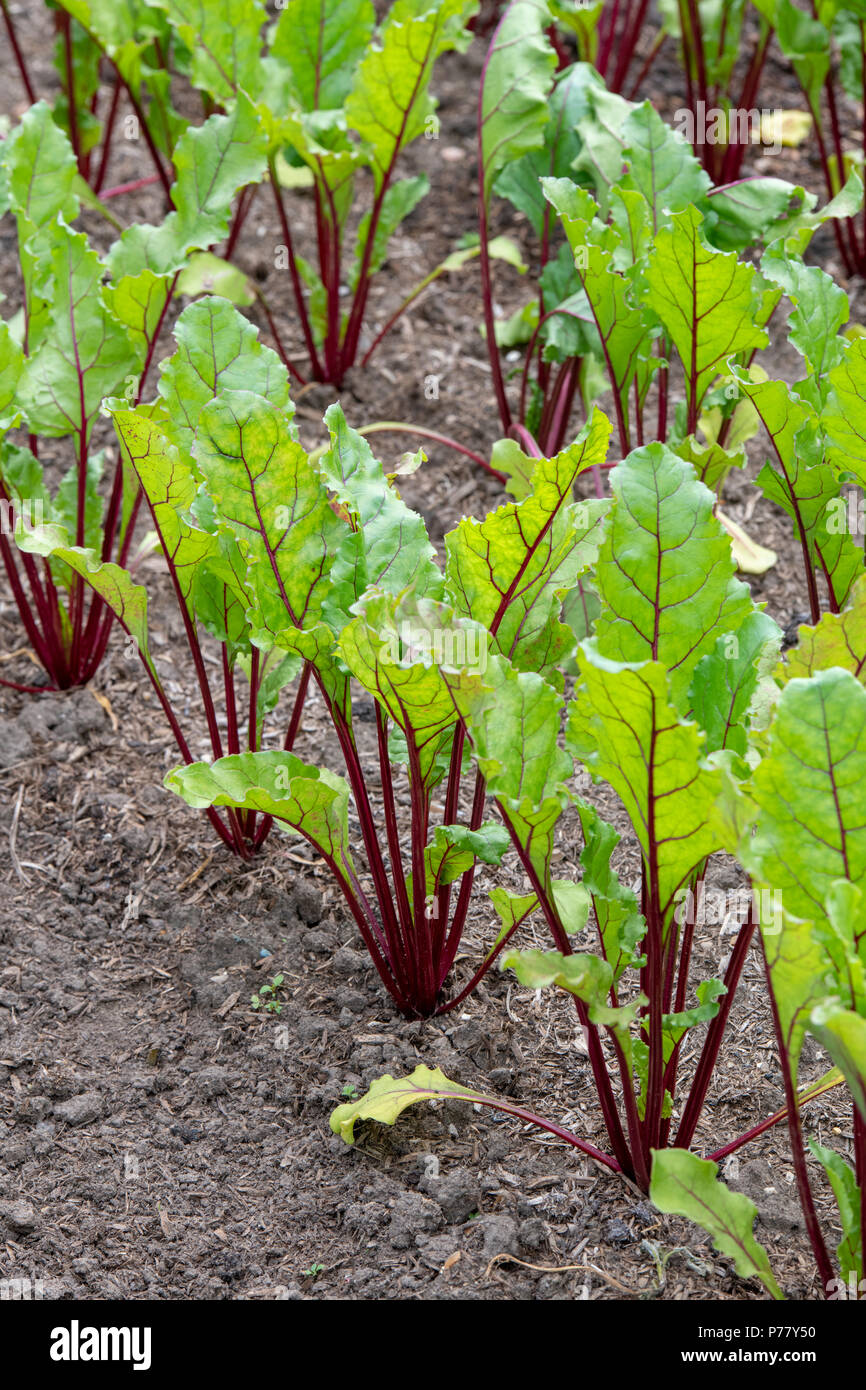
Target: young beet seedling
797, 825
677, 737
826, 50
667, 693
338, 97
135, 42
342, 574
216, 349
88, 329
648, 237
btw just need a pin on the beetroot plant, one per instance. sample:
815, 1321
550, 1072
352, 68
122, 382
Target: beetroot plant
88, 328
666, 693
340, 573
681, 707
825, 45
338, 97
797, 824
669, 710
217, 349
131, 46
646, 237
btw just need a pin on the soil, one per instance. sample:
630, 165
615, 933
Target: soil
159, 1139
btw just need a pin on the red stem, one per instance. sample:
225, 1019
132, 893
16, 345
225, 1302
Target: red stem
628, 1163
288, 743
798, 1153
713, 1041
300, 303
131, 187
404, 911
106, 139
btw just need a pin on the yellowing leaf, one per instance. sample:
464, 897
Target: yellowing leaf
751, 557
789, 128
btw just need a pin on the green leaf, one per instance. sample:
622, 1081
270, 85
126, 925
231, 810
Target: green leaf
513, 718
220, 597
389, 546
802, 485
411, 691
843, 936
661, 166
321, 140
515, 89
572, 904
308, 800
753, 210
23, 478
205, 273
622, 326
587, 977
138, 303
808, 791
665, 573
217, 350
40, 170
509, 571
806, 43
264, 488
675, 1026
511, 909
617, 912
520, 179
212, 163
622, 725
843, 1033
706, 299
224, 42
844, 417
684, 1185
726, 682
456, 848
84, 355
169, 485
513, 722
848, 1199
820, 310
796, 232
321, 42
11, 367
389, 102
839, 639
600, 161
509, 458
127, 600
